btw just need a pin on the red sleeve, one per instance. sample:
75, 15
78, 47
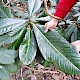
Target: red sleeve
64, 6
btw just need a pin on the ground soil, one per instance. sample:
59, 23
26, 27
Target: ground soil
41, 73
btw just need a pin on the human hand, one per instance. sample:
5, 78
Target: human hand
77, 45
51, 24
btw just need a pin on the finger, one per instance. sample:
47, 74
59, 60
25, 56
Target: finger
52, 28
46, 28
75, 43
45, 25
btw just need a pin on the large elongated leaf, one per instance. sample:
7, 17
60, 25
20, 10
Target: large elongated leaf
54, 46
78, 36
27, 50
4, 73
67, 32
5, 39
33, 6
7, 56
47, 18
17, 43
11, 36
74, 35
4, 12
8, 24
53, 2
12, 67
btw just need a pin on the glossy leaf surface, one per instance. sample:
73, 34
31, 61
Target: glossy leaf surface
27, 50
7, 56
33, 6
4, 73
4, 12
54, 46
9, 24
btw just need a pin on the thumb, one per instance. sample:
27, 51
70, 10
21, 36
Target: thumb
46, 28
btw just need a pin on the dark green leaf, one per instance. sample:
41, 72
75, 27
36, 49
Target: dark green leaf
27, 50
78, 36
8, 24
5, 39
52, 45
11, 36
12, 67
53, 2
67, 32
47, 18
17, 43
42, 61
33, 6
7, 56
74, 35
4, 73
4, 12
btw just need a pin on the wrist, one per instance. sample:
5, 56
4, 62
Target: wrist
56, 17
55, 20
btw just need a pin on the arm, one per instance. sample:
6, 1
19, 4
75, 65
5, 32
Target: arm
64, 6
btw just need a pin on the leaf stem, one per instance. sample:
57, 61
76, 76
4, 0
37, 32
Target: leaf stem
8, 3
46, 8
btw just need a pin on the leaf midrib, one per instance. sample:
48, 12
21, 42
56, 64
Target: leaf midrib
32, 9
3, 12
28, 42
56, 49
9, 25
3, 72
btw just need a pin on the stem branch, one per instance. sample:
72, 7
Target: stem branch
46, 8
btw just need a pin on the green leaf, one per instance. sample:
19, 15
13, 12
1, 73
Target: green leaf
33, 6
12, 67
7, 56
79, 18
74, 35
4, 12
0, 1
78, 36
7, 24
11, 36
17, 43
57, 1
27, 50
52, 45
12, 53
77, 15
5, 39
4, 73
47, 18
53, 2
42, 61
67, 32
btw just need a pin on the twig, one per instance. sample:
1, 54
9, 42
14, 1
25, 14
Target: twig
52, 72
46, 7
21, 74
8, 3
